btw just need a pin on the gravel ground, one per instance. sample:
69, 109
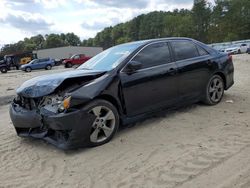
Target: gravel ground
195, 146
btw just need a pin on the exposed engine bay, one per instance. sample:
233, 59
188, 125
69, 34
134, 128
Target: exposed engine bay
50, 103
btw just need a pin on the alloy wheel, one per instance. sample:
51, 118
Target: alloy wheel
48, 67
28, 69
216, 89
104, 124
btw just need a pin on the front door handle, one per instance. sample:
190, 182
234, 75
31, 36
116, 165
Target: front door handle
209, 63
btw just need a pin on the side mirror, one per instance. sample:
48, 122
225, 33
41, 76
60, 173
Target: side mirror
133, 66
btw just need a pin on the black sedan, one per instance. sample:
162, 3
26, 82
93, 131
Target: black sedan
121, 85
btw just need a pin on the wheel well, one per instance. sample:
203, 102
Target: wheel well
223, 78
112, 100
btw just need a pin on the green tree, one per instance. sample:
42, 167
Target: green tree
71, 39
53, 40
201, 13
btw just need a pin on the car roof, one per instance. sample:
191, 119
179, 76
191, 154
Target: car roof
159, 39
148, 41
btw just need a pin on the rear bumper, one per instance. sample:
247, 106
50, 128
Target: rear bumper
65, 130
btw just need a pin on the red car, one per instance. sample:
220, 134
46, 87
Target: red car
76, 59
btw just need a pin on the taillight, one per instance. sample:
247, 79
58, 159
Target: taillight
230, 57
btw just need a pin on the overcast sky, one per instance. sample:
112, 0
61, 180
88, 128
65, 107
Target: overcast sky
25, 18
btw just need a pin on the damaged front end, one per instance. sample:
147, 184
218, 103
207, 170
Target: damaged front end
55, 117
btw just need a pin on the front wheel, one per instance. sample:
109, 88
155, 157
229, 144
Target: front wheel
28, 69
4, 70
214, 90
68, 65
48, 67
106, 123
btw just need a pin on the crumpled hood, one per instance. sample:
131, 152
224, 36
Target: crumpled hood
46, 84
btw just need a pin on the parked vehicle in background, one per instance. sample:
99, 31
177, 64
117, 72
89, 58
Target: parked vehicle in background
58, 61
3, 67
22, 58
46, 63
25, 60
120, 85
243, 48
232, 50
236, 49
8, 63
76, 59
248, 50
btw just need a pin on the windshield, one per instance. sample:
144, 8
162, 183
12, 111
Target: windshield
33, 61
73, 56
110, 58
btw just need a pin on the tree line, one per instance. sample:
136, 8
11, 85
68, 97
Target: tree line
226, 20
41, 42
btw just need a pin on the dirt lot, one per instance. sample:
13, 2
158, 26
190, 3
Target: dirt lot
196, 146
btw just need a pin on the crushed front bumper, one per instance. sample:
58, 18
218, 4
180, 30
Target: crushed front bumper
65, 130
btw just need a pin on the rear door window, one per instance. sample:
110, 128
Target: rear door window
184, 50
201, 51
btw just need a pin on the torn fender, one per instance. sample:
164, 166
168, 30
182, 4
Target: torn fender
92, 89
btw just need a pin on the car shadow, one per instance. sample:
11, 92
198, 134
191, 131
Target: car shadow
125, 129
142, 123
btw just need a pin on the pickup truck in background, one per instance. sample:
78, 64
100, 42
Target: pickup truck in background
76, 59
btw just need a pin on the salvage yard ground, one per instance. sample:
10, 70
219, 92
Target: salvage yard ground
195, 146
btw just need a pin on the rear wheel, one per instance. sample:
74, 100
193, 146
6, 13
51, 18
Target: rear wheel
4, 69
214, 90
106, 123
48, 67
28, 69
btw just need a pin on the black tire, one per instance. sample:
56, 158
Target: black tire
48, 67
239, 51
4, 69
28, 69
68, 65
214, 90
112, 123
